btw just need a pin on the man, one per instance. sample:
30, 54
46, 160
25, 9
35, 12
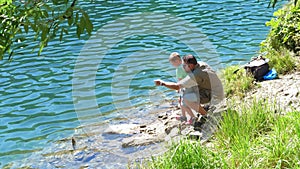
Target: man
202, 85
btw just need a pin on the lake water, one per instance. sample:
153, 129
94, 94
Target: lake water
80, 87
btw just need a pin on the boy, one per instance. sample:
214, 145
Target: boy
176, 61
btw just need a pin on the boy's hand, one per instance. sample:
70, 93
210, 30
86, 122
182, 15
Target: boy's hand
158, 82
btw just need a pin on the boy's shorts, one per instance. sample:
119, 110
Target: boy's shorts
191, 97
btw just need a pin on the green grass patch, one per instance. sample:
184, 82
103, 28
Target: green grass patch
184, 155
236, 82
250, 136
282, 60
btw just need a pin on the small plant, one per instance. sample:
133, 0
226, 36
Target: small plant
185, 155
236, 81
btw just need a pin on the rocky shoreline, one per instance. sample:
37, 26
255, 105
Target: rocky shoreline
284, 92
165, 128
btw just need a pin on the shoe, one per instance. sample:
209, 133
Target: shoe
181, 118
200, 121
206, 107
189, 122
209, 108
203, 119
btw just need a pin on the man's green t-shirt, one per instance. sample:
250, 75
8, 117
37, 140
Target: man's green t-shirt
180, 72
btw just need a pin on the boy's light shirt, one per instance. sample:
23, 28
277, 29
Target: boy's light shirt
180, 73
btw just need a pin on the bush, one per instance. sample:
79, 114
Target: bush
285, 29
283, 40
185, 155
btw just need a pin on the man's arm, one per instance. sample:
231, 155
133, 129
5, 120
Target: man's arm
170, 85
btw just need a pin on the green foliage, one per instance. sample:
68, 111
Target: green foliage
45, 19
283, 37
236, 81
256, 137
285, 29
239, 129
249, 137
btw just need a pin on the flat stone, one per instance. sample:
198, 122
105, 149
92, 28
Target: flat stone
141, 140
122, 129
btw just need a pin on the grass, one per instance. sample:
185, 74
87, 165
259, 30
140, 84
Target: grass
283, 60
251, 137
236, 83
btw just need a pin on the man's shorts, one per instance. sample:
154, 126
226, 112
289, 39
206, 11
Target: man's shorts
193, 97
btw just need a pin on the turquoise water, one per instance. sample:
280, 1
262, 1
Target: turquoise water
83, 86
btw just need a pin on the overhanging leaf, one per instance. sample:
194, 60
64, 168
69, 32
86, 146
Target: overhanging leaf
70, 21
41, 48
61, 35
26, 27
45, 32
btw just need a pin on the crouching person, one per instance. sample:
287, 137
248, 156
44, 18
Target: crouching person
202, 85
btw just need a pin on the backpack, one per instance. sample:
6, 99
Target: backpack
258, 67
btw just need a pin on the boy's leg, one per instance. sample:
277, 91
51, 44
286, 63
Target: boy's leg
192, 101
196, 106
189, 111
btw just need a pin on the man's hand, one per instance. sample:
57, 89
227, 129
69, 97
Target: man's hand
170, 85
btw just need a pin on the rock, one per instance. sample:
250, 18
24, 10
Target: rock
171, 124
174, 132
141, 140
167, 128
186, 130
283, 92
195, 135
122, 129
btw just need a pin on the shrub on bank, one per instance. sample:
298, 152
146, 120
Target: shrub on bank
283, 40
283, 60
280, 46
285, 29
